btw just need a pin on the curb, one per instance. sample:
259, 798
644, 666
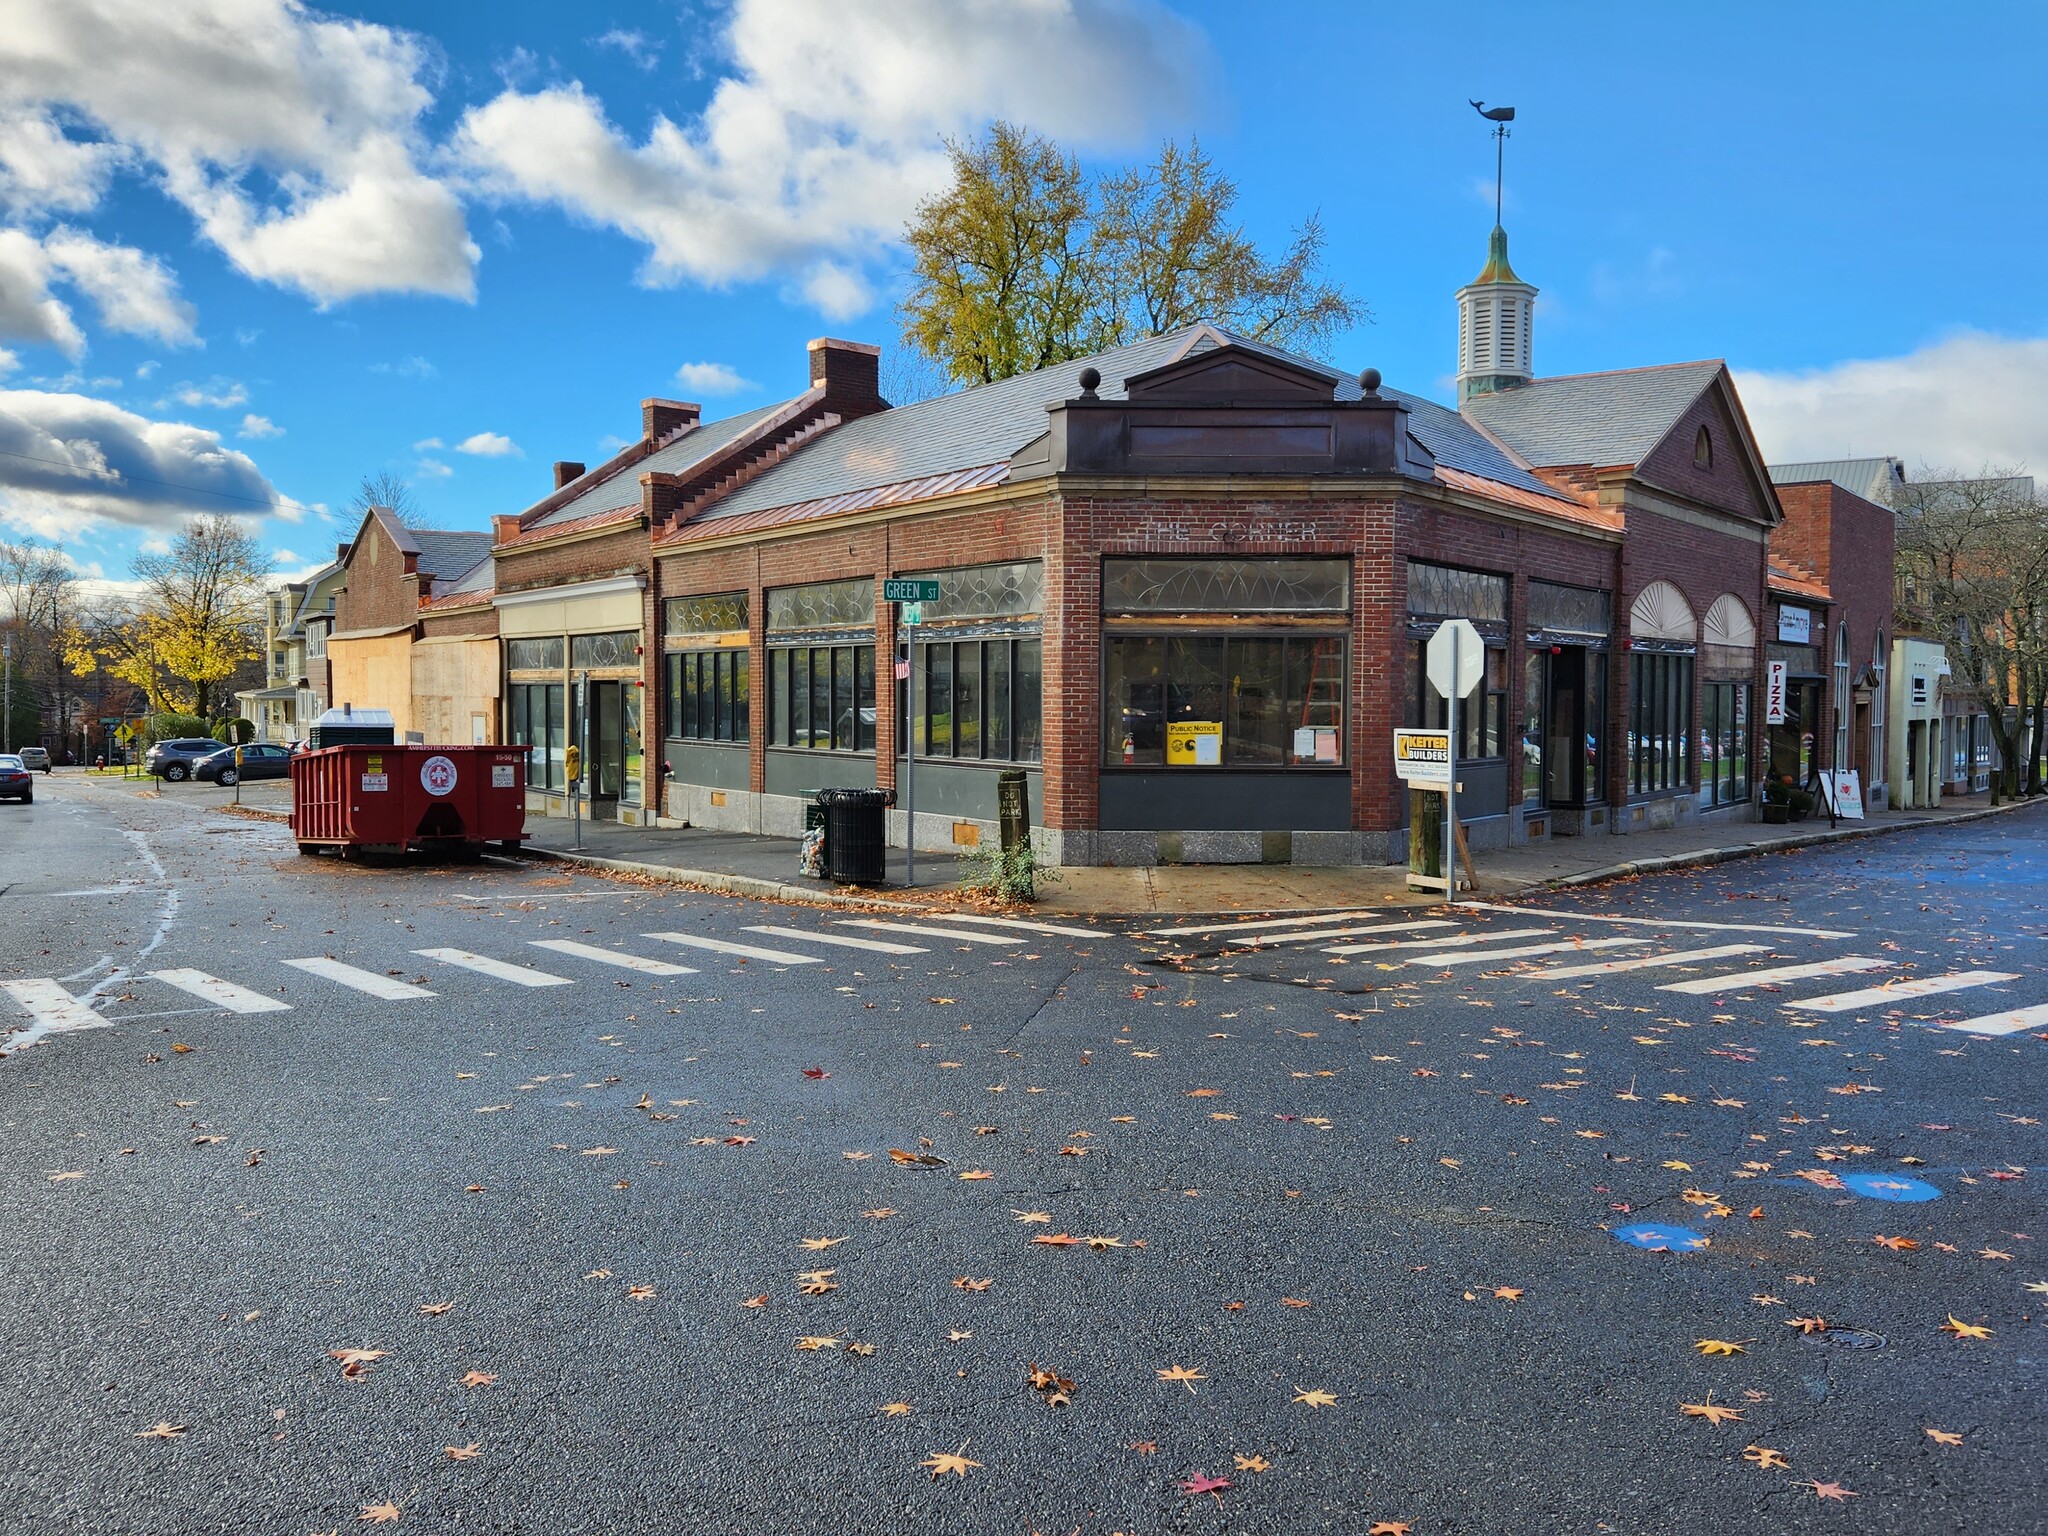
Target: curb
714, 880
1704, 858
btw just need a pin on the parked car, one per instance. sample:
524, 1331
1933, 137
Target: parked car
175, 759
36, 759
260, 760
16, 782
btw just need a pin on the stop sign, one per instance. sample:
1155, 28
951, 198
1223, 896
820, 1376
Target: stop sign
1455, 683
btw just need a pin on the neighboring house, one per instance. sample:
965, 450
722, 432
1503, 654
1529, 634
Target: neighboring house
297, 616
391, 578
1920, 673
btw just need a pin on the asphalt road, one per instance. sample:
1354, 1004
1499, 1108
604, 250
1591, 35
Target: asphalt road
1365, 1213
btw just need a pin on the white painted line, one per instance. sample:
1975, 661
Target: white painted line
53, 1009
222, 994
923, 931
1269, 922
805, 936
1657, 922
613, 957
502, 970
1521, 951
1018, 922
744, 951
1316, 935
2003, 1023
1918, 986
1451, 943
1841, 965
1648, 962
386, 987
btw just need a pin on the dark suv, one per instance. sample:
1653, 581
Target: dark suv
174, 760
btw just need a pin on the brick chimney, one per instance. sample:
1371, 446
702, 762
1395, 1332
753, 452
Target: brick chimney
850, 372
659, 418
660, 495
565, 471
503, 527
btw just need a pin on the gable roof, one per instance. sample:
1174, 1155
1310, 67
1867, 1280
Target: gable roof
445, 555
1600, 419
679, 456
1872, 479
986, 424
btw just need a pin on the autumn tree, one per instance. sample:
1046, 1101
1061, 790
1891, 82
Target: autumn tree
1025, 261
1973, 573
197, 617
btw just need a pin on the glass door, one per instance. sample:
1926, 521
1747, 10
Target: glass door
606, 762
1564, 728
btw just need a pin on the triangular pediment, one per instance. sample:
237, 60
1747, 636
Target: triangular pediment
1231, 375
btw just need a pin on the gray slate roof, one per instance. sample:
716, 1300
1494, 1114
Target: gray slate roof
679, 457
1593, 418
988, 423
481, 577
446, 555
1872, 479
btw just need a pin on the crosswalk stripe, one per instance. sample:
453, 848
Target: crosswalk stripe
1453, 942
1269, 922
924, 931
222, 994
845, 941
1522, 951
613, 957
743, 951
1659, 922
386, 987
1317, 935
2010, 1023
1737, 981
502, 970
53, 1008
1918, 986
1018, 922
1647, 962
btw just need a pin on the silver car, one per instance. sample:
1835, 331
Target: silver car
37, 758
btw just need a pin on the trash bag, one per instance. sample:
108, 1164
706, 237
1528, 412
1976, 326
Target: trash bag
810, 858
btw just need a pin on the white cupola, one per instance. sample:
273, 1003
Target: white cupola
1495, 311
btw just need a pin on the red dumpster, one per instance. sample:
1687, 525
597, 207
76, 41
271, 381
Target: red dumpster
375, 799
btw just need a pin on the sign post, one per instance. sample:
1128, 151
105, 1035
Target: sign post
910, 595
1456, 661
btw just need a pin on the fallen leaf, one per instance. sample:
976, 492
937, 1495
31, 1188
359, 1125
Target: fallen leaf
379, 1514
895, 1410
815, 1073
1508, 1292
1315, 1397
1808, 1324
1944, 1437
1250, 1464
165, 1431
479, 1379
1198, 1484
965, 1283
1055, 1240
1712, 1412
1294, 1301
1719, 1347
463, 1452
1830, 1490
1963, 1330
820, 1244
948, 1461
437, 1308
1187, 1375
1899, 1244
1764, 1456
818, 1341
1387, 1528
977, 1173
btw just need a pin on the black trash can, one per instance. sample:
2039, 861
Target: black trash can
855, 850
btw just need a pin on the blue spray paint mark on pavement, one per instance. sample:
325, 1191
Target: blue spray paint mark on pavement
1889, 1186
1657, 1236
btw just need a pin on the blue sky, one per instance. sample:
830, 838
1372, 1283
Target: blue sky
258, 260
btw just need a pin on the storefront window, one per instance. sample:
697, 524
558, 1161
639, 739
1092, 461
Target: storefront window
598, 652
544, 655
706, 693
1482, 714
1660, 715
1724, 743
821, 667
536, 721
1224, 701
1532, 727
1156, 584
978, 665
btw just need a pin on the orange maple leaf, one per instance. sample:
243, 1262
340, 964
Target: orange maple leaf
1764, 1456
479, 1379
949, 1461
1055, 1240
463, 1452
1831, 1490
1712, 1412
1387, 1528
1963, 1330
1900, 1244
1186, 1375
1944, 1437
379, 1514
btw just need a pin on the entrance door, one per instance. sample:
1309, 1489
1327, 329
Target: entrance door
607, 749
1564, 728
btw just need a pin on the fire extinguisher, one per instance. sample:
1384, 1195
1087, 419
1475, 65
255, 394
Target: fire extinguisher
1130, 751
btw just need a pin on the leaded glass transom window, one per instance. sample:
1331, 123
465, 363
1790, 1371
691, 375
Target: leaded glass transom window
612, 650
1563, 610
544, 655
1160, 585
826, 605
718, 613
1444, 591
1011, 591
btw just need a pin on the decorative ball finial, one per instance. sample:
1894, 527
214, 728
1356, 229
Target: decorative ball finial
1090, 379
1369, 381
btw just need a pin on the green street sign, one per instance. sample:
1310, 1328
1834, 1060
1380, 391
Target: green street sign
920, 590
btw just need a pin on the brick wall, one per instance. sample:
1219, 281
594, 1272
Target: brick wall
378, 587
1849, 543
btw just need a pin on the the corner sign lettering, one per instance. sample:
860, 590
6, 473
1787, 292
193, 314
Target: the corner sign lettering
1774, 693
1194, 531
1795, 626
1423, 757
910, 590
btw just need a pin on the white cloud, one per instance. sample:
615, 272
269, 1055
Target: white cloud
221, 394
28, 312
432, 469
414, 367
135, 292
286, 557
490, 445
611, 443
254, 426
144, 370
291, 137
244, 337
73, 461
712, 379
8, 362
830, 127
1966, 402
426, 443
635, 45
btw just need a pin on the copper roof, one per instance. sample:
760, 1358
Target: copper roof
1784, 581
541, 532
899, 493
1587, 512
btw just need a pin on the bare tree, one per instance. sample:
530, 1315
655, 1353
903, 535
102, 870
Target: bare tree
37, 596
390, 491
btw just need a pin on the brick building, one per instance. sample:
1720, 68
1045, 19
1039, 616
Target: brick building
1186, 587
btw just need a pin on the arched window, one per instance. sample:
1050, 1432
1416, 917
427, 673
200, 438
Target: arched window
1703, 450
1662, 636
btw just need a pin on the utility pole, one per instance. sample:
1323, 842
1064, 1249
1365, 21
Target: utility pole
7, 697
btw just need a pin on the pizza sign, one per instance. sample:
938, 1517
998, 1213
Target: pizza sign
437, 775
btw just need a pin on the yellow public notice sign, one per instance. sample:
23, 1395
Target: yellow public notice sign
1194, 743
1423, 757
